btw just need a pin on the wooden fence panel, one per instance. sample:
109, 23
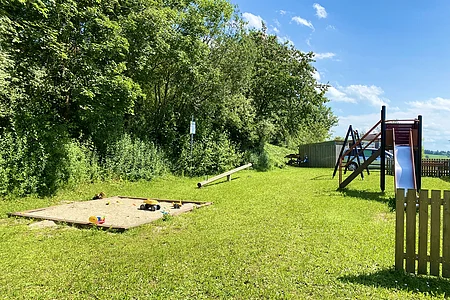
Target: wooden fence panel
431, 167
435, 232
423, 232
430, 241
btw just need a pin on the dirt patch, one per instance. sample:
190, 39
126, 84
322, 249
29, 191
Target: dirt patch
119, 212
42, 224
384, 217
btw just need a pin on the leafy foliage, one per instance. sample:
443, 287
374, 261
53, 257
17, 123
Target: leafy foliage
82, 164
285, 94
77, 73
211, 155
268, 157
133, 159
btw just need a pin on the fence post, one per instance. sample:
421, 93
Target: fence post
435, 232
423, 232
399, 228
411, 231
446, 236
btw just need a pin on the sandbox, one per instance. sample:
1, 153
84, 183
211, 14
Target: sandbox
120, 212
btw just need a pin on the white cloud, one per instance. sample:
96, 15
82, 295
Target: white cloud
320, 11
436, 123
282, 12
276, 30
358, 93
361, 122
284, 39
336, 95
330, 27
303, 22
277, 22
432, 104
252, 20
316, 75
324, 55
372, 94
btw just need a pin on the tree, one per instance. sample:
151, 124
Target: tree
69, 63
285, 93
181, 56
81, 71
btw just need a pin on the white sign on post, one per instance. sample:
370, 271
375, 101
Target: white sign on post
192, 128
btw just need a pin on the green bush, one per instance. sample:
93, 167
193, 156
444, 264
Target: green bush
134, 159
25, 163
268, 157
210, 155
81, 163
22, 165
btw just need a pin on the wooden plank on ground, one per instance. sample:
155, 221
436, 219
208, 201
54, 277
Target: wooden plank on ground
411, 231
423, 232
435, 232
446, 236
399, 228
227, 174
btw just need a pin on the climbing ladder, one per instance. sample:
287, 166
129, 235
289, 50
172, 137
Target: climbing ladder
354, 152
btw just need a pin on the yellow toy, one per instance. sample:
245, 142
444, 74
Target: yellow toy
177, 205
150, 204
97, 219
101, 195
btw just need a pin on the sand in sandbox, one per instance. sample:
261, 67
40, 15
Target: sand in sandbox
119, 212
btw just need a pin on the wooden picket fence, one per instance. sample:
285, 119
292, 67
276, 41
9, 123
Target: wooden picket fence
431, 167
422, 243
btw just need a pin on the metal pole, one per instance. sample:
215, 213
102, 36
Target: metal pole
192, 139
419, 155
383, 149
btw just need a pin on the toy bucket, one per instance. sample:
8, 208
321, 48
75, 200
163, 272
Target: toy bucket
97, 219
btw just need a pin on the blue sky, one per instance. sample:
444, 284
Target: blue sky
372, 53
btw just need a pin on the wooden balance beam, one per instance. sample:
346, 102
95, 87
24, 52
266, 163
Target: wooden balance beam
228, 174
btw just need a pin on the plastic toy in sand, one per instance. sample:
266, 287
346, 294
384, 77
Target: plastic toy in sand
97, 219
177, 205
150, 205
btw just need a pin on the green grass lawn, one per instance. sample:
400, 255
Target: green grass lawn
282, 234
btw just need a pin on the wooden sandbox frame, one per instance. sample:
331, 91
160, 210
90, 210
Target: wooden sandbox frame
101, 207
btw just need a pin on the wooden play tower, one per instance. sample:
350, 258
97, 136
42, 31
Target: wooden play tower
402, 137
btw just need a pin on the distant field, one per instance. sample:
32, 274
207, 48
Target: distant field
284, 234
436, 156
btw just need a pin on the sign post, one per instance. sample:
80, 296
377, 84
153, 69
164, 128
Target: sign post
192, 132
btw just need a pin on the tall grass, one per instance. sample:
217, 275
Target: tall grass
27, 166
81, 164
134, 159
23, 161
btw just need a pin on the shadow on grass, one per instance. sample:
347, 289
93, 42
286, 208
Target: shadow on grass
445, 178
398, 280
373, 196
322, 177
